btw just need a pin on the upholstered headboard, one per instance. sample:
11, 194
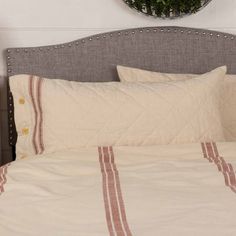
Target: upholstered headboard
164, 49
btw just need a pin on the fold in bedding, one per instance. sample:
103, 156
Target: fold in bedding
156, 190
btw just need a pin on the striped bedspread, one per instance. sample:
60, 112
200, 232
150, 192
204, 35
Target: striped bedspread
122, 191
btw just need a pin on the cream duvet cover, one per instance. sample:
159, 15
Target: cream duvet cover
172, 190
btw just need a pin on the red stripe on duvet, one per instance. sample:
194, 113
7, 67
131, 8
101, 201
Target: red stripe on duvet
210, 151
114, 205
122, 206
106, 194
3, 179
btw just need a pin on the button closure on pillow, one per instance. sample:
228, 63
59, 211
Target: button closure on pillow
25, 131
21, 101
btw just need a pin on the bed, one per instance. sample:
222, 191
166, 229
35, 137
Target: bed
135, 157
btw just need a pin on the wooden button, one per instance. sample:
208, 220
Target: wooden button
22, 101
25, 131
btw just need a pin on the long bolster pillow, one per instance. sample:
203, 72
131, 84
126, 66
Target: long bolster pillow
52, 115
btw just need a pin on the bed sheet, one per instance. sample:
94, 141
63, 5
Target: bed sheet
156, 190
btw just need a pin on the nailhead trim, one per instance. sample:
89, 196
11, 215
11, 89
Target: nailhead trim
104, 36
10, 100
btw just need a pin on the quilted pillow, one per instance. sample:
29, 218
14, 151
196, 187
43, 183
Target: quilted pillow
227, 101
52, 115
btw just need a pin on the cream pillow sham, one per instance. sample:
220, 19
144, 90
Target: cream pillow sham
52, 115
227, 101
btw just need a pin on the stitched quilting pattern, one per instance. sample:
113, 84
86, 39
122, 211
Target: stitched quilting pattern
119, 114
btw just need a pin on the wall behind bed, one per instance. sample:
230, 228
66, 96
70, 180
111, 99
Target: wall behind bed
33, 22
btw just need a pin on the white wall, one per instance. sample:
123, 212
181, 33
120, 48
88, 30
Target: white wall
34, 22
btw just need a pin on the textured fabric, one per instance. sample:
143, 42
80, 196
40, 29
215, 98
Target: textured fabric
57, 114
228, 98
178, 190
165, 49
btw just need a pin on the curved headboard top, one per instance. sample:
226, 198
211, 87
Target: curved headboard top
164, 49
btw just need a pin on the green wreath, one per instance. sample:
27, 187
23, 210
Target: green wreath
167, 8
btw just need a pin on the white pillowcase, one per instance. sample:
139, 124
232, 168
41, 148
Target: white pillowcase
227, 101
129, 74
52, 115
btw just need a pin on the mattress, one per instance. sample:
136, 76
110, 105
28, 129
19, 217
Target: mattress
187, 189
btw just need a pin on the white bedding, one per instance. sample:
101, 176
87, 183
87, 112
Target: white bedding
148, 191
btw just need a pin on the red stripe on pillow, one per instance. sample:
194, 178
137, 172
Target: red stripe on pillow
35, 91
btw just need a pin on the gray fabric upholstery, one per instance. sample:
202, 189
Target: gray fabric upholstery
164, 49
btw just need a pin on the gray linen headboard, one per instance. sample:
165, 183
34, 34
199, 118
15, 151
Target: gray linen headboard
164, 49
